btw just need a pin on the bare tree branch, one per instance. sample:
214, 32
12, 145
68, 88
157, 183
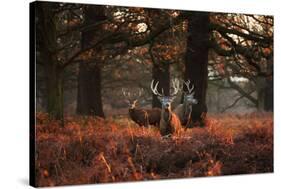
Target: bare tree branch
235, 102
263, 40
242, 92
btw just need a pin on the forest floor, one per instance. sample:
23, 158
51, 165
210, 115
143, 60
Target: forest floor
93, 150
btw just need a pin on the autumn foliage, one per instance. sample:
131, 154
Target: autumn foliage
93, 150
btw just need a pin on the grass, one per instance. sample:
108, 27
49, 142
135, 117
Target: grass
93, 150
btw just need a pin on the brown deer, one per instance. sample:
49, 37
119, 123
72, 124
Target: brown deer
169, 122
143, 117
184, 110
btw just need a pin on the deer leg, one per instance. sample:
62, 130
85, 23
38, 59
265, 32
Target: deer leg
188, 123
146, 121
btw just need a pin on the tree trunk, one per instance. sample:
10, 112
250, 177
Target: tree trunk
268, 97
45, 43
196, 62
54, 92
261, 100
161, 73
268, 101
89, 99
261, 86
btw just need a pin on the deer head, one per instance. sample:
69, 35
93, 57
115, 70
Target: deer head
132, 97
188, 96
164, 99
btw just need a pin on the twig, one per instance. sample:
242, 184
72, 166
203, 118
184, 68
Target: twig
107, 166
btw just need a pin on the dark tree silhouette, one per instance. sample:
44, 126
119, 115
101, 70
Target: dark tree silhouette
89, 99
46, 57
196, 61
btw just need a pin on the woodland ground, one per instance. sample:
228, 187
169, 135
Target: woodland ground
93, 150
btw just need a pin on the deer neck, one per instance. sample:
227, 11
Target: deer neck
131, 111
185, 107
166, 114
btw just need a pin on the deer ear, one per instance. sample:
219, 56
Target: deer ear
135, 101
159, 98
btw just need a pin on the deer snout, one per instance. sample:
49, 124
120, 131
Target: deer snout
167, 106
194, 101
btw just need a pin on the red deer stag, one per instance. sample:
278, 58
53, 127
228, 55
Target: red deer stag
143, 117
169, 122
184, 110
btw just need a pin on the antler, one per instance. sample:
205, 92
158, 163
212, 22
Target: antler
187, 84
176, 87
135, 94
126, 93
154, 89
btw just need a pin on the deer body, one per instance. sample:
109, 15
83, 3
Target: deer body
154, 116
182, 113
145, 117
169, 122
184, 110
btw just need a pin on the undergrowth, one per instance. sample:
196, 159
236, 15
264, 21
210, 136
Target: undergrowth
93, 150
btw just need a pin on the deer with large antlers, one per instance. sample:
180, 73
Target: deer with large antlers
169, 122
184, 110
143, 117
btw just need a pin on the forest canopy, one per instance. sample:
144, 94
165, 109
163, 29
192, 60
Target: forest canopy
85, 55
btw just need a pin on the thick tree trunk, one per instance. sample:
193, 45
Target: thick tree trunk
89, 99
261, 86
196, 62
268, 97
268, 101
54, 92
264, 94
45, 43
161, 73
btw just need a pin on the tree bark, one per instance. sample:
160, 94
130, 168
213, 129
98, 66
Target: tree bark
260, 86
46, 45
196, 62
161, 73
54, 92
268, 101
89, 98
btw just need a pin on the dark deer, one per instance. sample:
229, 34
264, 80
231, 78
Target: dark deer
184, 110
169, 122
143, 117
